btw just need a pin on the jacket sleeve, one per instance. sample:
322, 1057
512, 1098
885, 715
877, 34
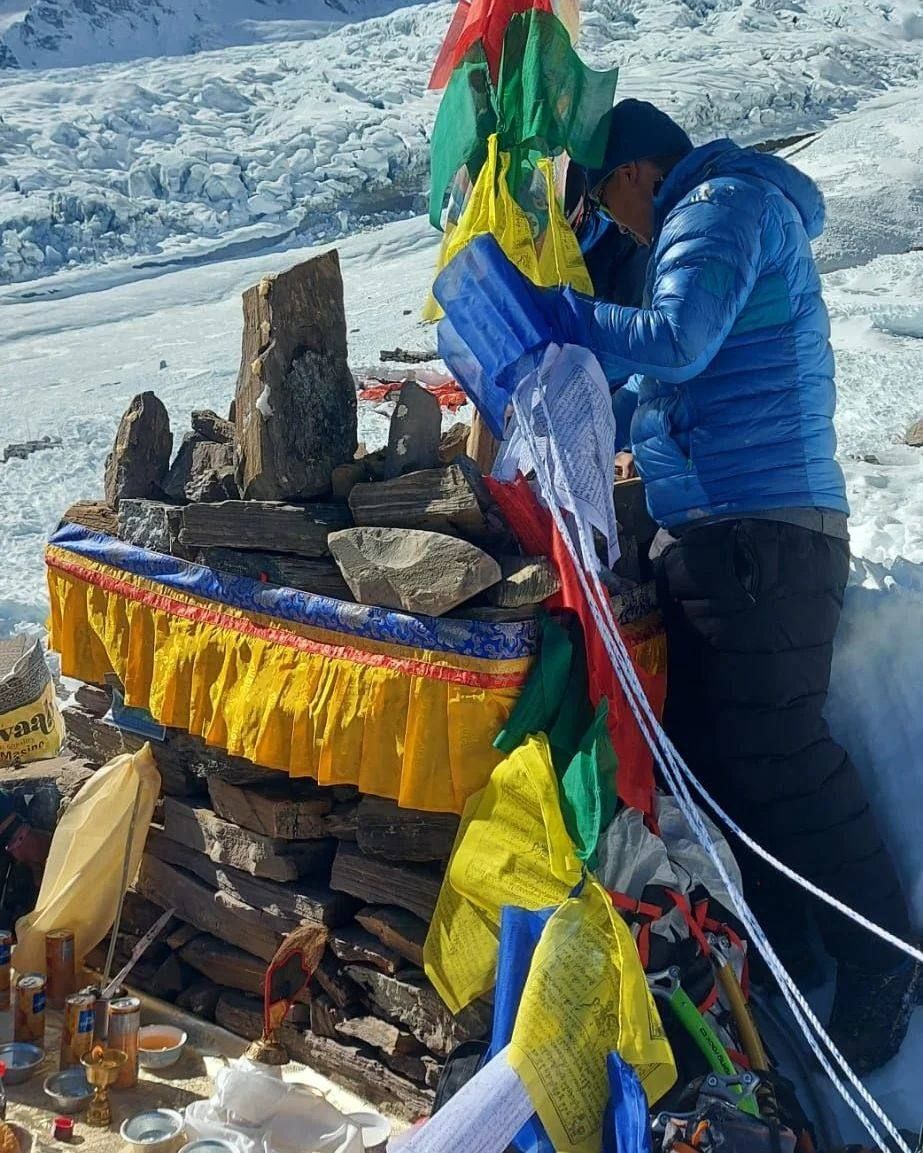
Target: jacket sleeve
708, 258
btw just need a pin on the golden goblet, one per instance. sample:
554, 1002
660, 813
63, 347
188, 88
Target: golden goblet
102, 1068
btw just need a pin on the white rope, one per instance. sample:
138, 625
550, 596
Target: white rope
676, 773
821, 894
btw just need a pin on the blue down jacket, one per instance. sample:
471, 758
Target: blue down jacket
735, 391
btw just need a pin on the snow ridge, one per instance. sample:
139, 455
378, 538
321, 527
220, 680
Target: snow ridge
175, 158
61, 33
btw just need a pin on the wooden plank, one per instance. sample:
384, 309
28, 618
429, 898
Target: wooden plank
286, 809
171, 978
191, 754
437, 499
264, 526
228, 844
96, 699
286, 904
225, 964
417, 1006
95, 515
390, 1039
413, 887
200, 999
392, 833
230, 919
323, 1016
397, 929
333, 981
343, 821
320, 577
482, 445
139, 915
93, 739
354, 944
351, 1066
181, 936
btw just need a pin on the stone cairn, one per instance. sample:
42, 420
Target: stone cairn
281, 492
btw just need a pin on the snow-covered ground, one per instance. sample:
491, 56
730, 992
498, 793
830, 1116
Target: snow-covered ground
313, 139
62, 34
77, 346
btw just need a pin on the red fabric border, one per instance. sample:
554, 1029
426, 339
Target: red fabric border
247, 627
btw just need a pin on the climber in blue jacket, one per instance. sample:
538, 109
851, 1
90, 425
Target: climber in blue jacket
732, 386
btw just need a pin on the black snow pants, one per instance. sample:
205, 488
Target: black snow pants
751, 608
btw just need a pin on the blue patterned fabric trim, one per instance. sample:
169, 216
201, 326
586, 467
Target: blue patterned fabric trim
487, 640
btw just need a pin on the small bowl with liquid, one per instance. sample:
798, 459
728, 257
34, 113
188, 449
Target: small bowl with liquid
160, 1046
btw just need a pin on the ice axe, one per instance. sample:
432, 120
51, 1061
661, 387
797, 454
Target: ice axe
666, 986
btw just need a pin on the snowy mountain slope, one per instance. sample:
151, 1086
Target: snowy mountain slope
874, 196
72, 364
312, 140
62, 34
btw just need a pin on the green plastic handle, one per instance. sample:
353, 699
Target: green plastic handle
707, 1041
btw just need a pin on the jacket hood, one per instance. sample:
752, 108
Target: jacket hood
723, 158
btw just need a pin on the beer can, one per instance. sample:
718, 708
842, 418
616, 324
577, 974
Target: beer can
124, 1023
6, 945
60, 966
29, 1018
77, 1028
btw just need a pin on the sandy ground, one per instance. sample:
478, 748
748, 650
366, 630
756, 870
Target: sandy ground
209, 1049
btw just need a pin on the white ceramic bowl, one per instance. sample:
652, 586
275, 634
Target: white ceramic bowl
156, 1131
160, 1046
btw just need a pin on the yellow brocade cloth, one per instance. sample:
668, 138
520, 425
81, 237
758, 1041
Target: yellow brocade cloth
401, 706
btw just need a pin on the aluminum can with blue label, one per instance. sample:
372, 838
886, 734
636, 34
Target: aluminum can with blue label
77, 1028
29, 1018
60, 967
124, 1023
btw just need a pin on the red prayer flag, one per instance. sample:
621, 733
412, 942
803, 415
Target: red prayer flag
474, 20
538, 536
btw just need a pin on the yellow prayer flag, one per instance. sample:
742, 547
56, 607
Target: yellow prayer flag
512, 848
586, 996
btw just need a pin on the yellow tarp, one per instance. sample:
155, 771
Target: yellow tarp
83, 875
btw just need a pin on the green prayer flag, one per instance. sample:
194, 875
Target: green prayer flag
540, 700
466, 117
588, 798
546, 101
